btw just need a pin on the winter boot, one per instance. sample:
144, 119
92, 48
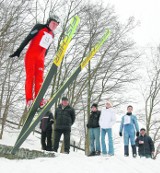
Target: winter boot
29, 104
97, 153
92, 153
126, 151
134, 152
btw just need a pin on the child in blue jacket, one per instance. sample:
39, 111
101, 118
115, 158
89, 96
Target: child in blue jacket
128, 125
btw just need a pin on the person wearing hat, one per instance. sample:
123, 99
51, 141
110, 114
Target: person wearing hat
128, 126
145, 145
64, 119
94, 130
106, 122
40, 38
46, 131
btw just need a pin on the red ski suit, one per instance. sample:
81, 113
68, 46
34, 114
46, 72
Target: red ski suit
40, 38
34, 64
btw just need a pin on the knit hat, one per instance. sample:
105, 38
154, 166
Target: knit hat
64, 98
94, 105
143, 129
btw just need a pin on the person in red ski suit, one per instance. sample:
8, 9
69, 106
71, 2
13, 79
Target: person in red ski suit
40, 38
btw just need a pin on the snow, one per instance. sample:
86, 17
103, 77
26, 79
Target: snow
75, 162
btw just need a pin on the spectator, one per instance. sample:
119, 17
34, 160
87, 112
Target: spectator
94, 130
65, 117
46, 131
107, 120
145, 145
129, 124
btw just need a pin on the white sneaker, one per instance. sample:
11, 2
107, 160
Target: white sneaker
110, 155
104, 155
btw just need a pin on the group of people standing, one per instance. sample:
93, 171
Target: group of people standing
102, 122
40, 38
99, 124
64, 118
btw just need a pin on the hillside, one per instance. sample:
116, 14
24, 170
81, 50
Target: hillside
74, 162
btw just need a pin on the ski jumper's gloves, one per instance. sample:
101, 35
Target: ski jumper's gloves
137, 134
16, 53
30, 36
120, 133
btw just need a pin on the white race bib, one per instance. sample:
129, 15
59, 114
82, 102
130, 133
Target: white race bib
46, 40
127, 119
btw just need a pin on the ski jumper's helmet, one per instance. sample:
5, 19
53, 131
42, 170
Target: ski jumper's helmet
53, 18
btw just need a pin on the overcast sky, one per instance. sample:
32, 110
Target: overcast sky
145, 11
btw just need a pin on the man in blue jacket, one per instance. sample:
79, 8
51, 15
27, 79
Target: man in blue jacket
129, 124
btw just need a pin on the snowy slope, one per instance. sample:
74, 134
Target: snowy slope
78, 163
75, 162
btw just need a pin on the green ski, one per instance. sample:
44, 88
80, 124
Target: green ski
53, 69
55, 97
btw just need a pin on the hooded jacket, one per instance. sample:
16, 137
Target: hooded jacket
93, 121
64, 117
107, 118
46, 122
147, 147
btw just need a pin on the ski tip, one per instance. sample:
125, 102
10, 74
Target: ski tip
77, 19
107, 32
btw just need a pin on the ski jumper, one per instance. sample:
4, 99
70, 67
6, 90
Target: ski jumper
41, 37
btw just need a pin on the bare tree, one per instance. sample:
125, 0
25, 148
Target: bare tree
14, 19
106, 75
151, 96
111, 68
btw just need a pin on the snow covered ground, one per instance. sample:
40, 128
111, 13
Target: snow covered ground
75, 162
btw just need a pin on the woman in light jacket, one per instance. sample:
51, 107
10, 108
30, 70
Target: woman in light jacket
106, 122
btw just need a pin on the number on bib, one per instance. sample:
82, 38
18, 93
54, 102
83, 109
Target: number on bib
46, 40
127, 119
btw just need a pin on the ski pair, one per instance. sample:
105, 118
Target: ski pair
53, 69
55, 97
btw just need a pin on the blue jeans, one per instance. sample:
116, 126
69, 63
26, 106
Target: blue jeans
110, 141
129, 136
94, 134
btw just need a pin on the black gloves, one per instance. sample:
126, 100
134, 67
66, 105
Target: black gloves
137, 134
120, 133
16, 53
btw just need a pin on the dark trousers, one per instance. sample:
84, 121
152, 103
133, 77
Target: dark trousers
46, 140
57, 136
126, 150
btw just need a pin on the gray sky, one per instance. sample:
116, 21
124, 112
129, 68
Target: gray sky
145, 11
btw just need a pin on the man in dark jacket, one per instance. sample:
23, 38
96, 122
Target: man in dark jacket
145, 145
46, 127
65, 117
94, 130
